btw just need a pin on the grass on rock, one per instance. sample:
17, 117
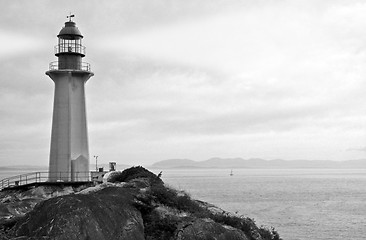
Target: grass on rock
163, 227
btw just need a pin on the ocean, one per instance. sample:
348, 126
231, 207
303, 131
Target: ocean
317, 204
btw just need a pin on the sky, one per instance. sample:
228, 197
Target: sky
192, 79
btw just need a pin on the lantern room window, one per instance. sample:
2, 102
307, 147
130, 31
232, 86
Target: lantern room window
69, 46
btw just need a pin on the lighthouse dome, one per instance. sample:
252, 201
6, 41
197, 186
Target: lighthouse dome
70, 30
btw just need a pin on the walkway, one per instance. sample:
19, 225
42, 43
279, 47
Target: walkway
41, 178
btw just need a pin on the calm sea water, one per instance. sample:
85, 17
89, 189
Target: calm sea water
11, 173
300, 204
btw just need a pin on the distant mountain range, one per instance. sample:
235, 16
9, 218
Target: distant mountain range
254, 163
259, 163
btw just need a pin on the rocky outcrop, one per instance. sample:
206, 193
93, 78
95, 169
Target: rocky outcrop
106, 214
137, 206
207, 229
16, 203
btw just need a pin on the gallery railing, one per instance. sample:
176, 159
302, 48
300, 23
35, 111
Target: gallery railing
57, 65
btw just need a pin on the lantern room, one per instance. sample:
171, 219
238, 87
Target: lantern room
69, 49
69, 41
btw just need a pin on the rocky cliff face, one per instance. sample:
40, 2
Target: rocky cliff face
106, 214
136, 206
15, 203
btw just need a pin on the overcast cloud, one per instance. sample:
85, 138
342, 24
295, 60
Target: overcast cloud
192, 79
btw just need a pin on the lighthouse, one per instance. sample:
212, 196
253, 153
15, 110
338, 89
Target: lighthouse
69, 153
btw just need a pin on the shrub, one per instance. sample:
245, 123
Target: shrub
170, 197
270, 234
244, 224
135, 172
185, 203
157, 227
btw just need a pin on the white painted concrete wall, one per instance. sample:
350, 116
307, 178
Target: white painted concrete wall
69, 155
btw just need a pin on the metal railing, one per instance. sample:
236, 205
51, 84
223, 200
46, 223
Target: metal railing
57, 65
70, 48
40, 177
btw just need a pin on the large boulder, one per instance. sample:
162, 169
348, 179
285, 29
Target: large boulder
103, 215
208, 229
16, 203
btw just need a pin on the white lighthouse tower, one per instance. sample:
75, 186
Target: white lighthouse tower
69, 155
